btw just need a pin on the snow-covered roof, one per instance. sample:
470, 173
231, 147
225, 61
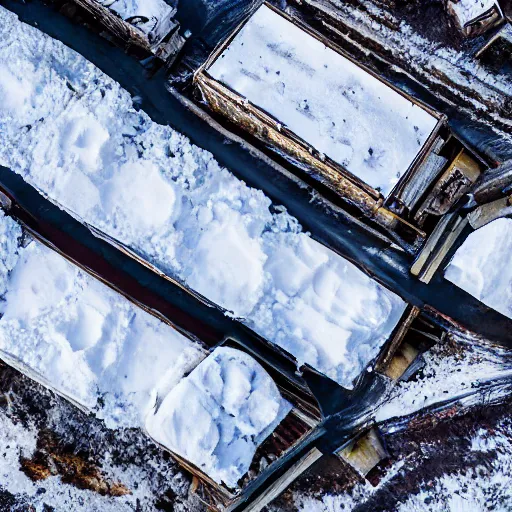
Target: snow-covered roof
217, 416
81, 338
467, 11
481, 266
148, 187
334, 105
158, 13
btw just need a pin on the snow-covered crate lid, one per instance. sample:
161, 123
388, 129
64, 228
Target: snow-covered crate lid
218, 416
366, 128
475, 16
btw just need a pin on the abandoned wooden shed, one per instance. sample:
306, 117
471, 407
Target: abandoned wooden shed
381, 150
474, 17
144, 27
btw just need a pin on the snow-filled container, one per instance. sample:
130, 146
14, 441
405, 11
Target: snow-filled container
141, 25
294, 90
75, 335
224, 417
474, 17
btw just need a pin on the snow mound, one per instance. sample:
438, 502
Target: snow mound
83, 339
217, 416
481, 266
80, 142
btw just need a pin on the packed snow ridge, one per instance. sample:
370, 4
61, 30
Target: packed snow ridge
72, 333
73, 133
218, 415
481, 266
337, 107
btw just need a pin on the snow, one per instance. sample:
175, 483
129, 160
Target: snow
79, 140
449, 377
467, 11
10, 234
484, 487
145, 479
457, 74
218, 415
481, 266
158, 13
331, 103
84, 340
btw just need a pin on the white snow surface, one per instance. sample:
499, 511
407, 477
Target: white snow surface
328, 101
454, 377
218, 415
76, 137
481, 266
85, 340
467, 11
81, 338
158, 13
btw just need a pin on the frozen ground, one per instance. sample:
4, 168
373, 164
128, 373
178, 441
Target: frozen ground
481, 266
125, 458
218, 415
74, 134
325, 99
452, 376
440, 461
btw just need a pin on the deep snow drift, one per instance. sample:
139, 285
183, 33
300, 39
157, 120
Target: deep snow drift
482, 266
334, 105
83, 339
73, 133
218, 415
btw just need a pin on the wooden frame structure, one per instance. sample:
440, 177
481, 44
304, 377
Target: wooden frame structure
444, 165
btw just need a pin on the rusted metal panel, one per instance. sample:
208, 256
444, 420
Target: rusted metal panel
391, 347
462, 173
